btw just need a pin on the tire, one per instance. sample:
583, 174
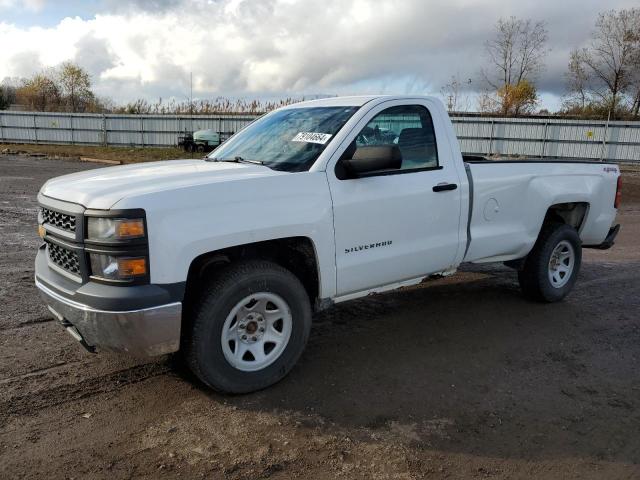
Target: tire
543, 280
268, 285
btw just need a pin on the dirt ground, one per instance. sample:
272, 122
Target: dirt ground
458, 378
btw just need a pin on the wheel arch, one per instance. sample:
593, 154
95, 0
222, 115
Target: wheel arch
296, 254
541, 268
573, 214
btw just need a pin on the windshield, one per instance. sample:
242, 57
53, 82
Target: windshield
290, 139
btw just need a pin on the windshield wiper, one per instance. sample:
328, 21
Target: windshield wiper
238, 159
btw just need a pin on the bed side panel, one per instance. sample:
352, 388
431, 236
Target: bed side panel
511, 201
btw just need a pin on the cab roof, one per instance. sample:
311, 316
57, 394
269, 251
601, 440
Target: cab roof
353, 101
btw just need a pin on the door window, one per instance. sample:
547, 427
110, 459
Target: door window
410, 128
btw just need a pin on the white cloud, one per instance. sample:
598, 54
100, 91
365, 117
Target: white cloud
31, 5
236, 47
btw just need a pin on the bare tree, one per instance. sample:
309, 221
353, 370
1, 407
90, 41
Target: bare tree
612, 53
486, 102
454, 94
516, 54
635, 84
577, 81
635, 106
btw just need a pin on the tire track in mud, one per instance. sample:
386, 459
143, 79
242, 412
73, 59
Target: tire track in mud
28, 323
627, 275
32, 402
37, 372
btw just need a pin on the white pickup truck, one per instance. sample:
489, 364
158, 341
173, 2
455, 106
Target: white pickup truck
225, 258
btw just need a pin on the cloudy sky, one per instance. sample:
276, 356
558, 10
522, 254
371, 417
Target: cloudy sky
275, 48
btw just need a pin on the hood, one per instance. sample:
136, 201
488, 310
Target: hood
104, 187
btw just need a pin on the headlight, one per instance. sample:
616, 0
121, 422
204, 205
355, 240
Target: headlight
117, 268
109, 229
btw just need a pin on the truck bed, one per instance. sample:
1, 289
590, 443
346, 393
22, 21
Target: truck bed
510, 198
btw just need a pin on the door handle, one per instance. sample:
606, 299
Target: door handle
443, 187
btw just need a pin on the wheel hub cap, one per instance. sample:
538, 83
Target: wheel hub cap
251, 328
256, 331
561, 264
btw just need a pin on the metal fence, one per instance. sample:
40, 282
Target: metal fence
549, 137
531, 137
111, 129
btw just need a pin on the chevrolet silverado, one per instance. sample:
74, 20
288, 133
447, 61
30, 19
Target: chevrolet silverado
226, 258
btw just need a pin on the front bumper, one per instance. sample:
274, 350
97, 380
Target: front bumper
139, 318
145, 332
142, 320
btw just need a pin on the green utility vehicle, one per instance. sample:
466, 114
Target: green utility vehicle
200, 141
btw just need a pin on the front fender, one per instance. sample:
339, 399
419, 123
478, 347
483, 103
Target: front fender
186, 223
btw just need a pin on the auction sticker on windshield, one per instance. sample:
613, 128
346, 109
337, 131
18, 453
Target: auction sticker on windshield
312, 137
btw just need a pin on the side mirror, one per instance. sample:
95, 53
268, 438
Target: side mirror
371, 159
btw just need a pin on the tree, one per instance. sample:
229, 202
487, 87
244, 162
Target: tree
453, 94
635, 85
7, 96
40, 92
76, 86
577, 82
613, 54
635, 106
518, 99
516, 54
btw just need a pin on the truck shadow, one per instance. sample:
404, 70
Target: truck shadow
475, 368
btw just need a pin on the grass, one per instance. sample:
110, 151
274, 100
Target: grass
120, 154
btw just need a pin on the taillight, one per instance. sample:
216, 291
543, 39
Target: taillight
616, 203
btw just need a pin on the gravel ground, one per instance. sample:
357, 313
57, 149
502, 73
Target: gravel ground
457, 378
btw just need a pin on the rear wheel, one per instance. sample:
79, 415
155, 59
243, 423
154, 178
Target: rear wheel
552, 266
249, 328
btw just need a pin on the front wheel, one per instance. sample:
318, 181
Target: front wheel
249, 327
551, 268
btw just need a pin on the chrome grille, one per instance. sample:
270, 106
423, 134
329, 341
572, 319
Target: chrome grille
58, 219
64, 258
